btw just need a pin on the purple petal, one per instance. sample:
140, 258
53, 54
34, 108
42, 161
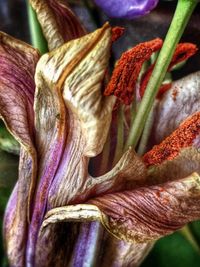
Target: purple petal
17, 68
63, 146
127, 8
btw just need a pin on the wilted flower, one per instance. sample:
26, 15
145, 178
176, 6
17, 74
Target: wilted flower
65, 121
128, 9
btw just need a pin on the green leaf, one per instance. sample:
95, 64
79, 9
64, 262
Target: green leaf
173, 251
7, 142
8, 177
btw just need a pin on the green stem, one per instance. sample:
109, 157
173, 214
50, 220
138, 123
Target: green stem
186, 232
37, 38
181, 17
146, 133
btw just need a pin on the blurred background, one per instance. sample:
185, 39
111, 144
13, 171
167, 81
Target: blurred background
180, 249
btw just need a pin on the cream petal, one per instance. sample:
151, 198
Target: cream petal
70, 113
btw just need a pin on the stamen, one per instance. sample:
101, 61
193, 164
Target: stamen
125, 74
117, 32
181, 138
183, 52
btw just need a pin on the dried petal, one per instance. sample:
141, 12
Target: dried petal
70, 113
17, 68
147, 214
140, 215
58, 22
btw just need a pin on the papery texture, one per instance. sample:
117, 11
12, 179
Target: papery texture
58, 22
70, 132
148, 213
127, 9
141, 215
17, 68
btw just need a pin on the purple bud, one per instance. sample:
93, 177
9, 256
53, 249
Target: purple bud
127, 8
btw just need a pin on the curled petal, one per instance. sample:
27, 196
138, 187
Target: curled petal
70, 113
17, 68
127, 9
58, 22
141, 215
147, 214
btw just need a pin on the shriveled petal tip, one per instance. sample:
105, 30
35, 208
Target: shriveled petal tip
125, 74
76, 213
130, 172
128, 9
58, 22
147, 214
184, 136
78, 68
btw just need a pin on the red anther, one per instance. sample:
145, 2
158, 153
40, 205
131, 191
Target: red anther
181, 138
125, 74
117, 32
183, 52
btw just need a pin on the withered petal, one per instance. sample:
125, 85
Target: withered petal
130, 172
58, 22
115, 251
147, 214
139, 215
17, 67
70, 114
